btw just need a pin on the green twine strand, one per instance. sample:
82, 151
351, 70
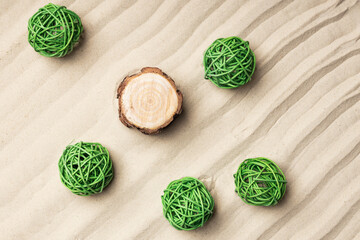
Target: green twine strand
260, 182
54, 30
85, 168
187, 204
229, 62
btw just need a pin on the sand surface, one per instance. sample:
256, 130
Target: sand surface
301, 109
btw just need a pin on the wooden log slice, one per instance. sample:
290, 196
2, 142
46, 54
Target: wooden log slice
148, 100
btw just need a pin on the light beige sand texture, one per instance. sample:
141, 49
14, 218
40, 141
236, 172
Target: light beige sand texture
302, 110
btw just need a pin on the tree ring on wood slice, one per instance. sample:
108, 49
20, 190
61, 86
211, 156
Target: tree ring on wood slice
148, 100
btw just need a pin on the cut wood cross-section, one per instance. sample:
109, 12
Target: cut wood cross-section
148, 100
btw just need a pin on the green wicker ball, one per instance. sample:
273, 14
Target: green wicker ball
229, 62
260, 182
187, 204
85, 168
54, 30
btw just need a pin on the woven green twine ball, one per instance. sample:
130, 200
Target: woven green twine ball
85, 168
54, 30
229, 62
260, 182
187, 204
